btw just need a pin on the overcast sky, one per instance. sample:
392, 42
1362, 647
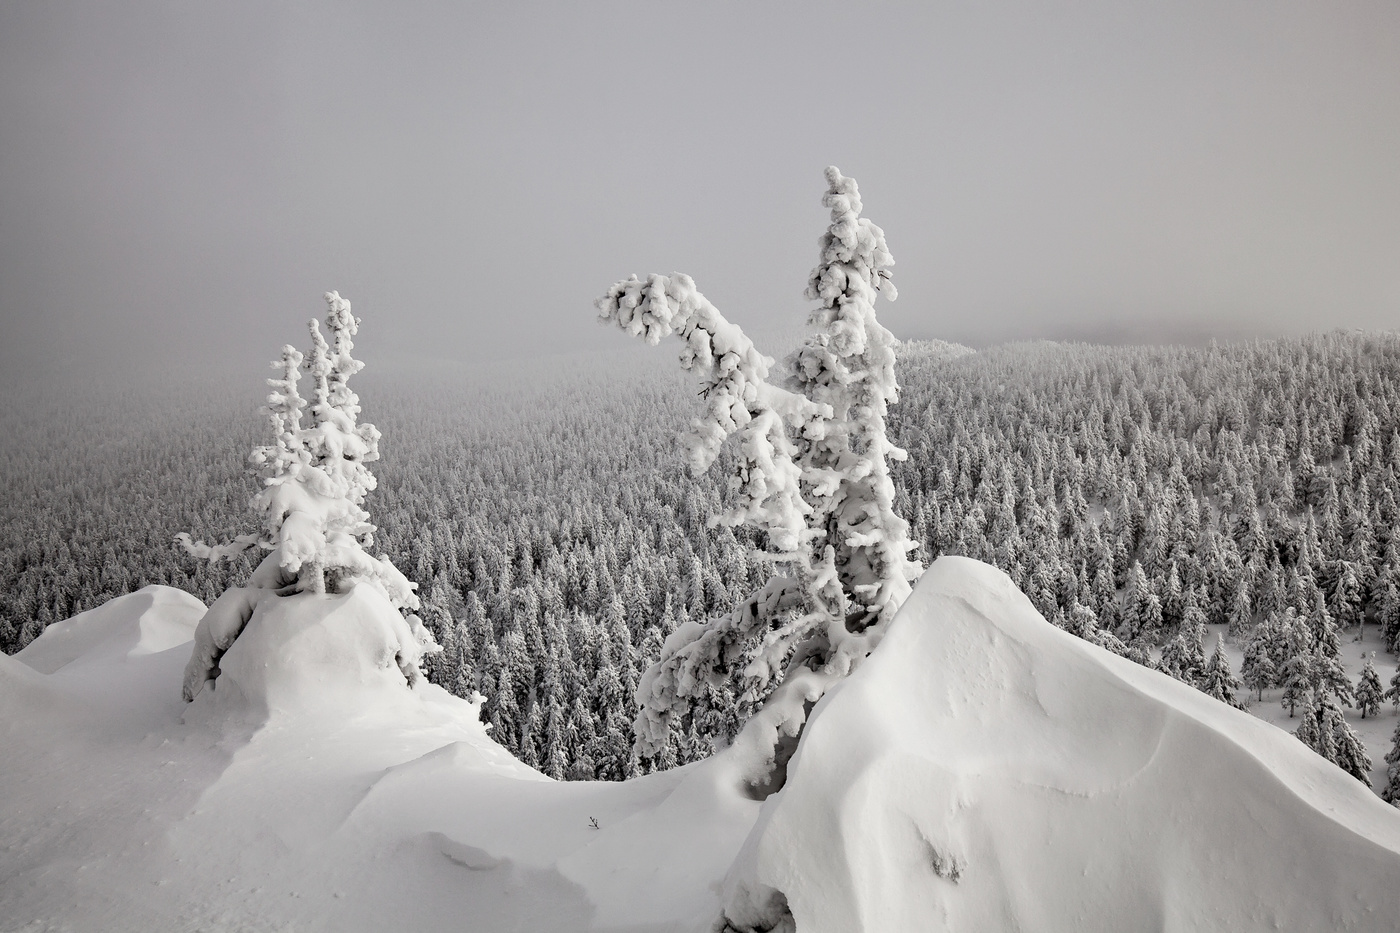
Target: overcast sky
188, 178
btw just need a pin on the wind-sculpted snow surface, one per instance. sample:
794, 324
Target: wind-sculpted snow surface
152, 620
314, 789
982, 771
987, 771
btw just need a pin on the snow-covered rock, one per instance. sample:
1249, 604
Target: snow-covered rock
986, 771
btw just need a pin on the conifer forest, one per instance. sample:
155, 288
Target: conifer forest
1135, 494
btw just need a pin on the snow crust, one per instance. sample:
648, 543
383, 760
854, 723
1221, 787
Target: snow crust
981, 771
985, 770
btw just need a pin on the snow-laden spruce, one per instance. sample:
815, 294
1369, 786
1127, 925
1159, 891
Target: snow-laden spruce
812, 474
311, 501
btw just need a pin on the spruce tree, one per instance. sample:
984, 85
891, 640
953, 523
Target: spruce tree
314, 479
1307, 731
1368, 690
1183, 657
1328, 674
813, 479
1348, 752
1258, 672
1219, 680
1393, 694
1390, 615
1390, 793
1346, 596
1296, 674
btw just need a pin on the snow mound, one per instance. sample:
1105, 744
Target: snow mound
314, 653
985, 770
312, 789
149, 621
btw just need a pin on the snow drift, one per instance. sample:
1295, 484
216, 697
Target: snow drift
981, 771
313, 789
152, 620
307, 653
985, 770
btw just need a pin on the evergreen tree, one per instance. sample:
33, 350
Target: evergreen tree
314, 482
555, 756
813, 477
1241, 612
1390, 793
1347, 750
1368, 690
1346, 596
1218, 679
1296, 675
1328, 675
1258, 672
1308, 732
1184, 655
1390, 615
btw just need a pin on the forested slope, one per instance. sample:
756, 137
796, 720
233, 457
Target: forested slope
556, 537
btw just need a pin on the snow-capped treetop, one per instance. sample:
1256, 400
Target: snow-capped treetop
851, 248
847, 364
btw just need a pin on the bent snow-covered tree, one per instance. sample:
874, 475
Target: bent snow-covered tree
812, 474
311, 501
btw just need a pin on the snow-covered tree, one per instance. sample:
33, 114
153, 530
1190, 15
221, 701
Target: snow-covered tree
1369, 692
1183, 657
1328, 674
1393, 692
1391, 792
1218, 679
1348, 751
1258, 672
1346, 595
1389, 615
1324, 729
812, 476
314, 479
1296, 674
1308, 732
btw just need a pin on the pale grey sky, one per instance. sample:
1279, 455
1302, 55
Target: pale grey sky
188, 178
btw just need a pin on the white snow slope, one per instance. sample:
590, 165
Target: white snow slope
982, 771
986, 771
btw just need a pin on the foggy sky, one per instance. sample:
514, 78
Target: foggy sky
182, 181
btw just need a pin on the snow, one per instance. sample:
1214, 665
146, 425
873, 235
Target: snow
153, 620
306, 653
982, 770
1376, 732
1064, 787
313, 789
